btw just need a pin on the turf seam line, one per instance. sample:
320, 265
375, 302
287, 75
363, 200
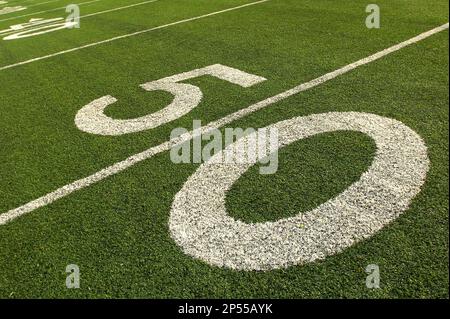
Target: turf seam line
139, 157
129, 35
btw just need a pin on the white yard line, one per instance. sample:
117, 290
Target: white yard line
45, 11
15, 3
134, 159
26, 1
128, 35
87, 15
30, 5
95, 13
117, 9
41, 3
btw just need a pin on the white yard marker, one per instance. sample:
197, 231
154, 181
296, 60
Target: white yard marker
128, 35
45, 11
13, 34
139, 157
7, 10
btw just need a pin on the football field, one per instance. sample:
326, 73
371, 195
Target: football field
88, 113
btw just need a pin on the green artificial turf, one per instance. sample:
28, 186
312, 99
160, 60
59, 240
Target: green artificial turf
117, 232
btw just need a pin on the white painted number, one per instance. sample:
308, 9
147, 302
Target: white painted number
91, 118
200, 225
199, 222
35, 27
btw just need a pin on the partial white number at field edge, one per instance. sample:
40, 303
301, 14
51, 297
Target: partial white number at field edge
91, 118
42, 26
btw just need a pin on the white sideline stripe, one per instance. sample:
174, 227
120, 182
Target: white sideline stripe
45, 11
129, 35
139, 157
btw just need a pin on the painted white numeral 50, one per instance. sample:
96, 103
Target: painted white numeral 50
91, 118
199, 222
